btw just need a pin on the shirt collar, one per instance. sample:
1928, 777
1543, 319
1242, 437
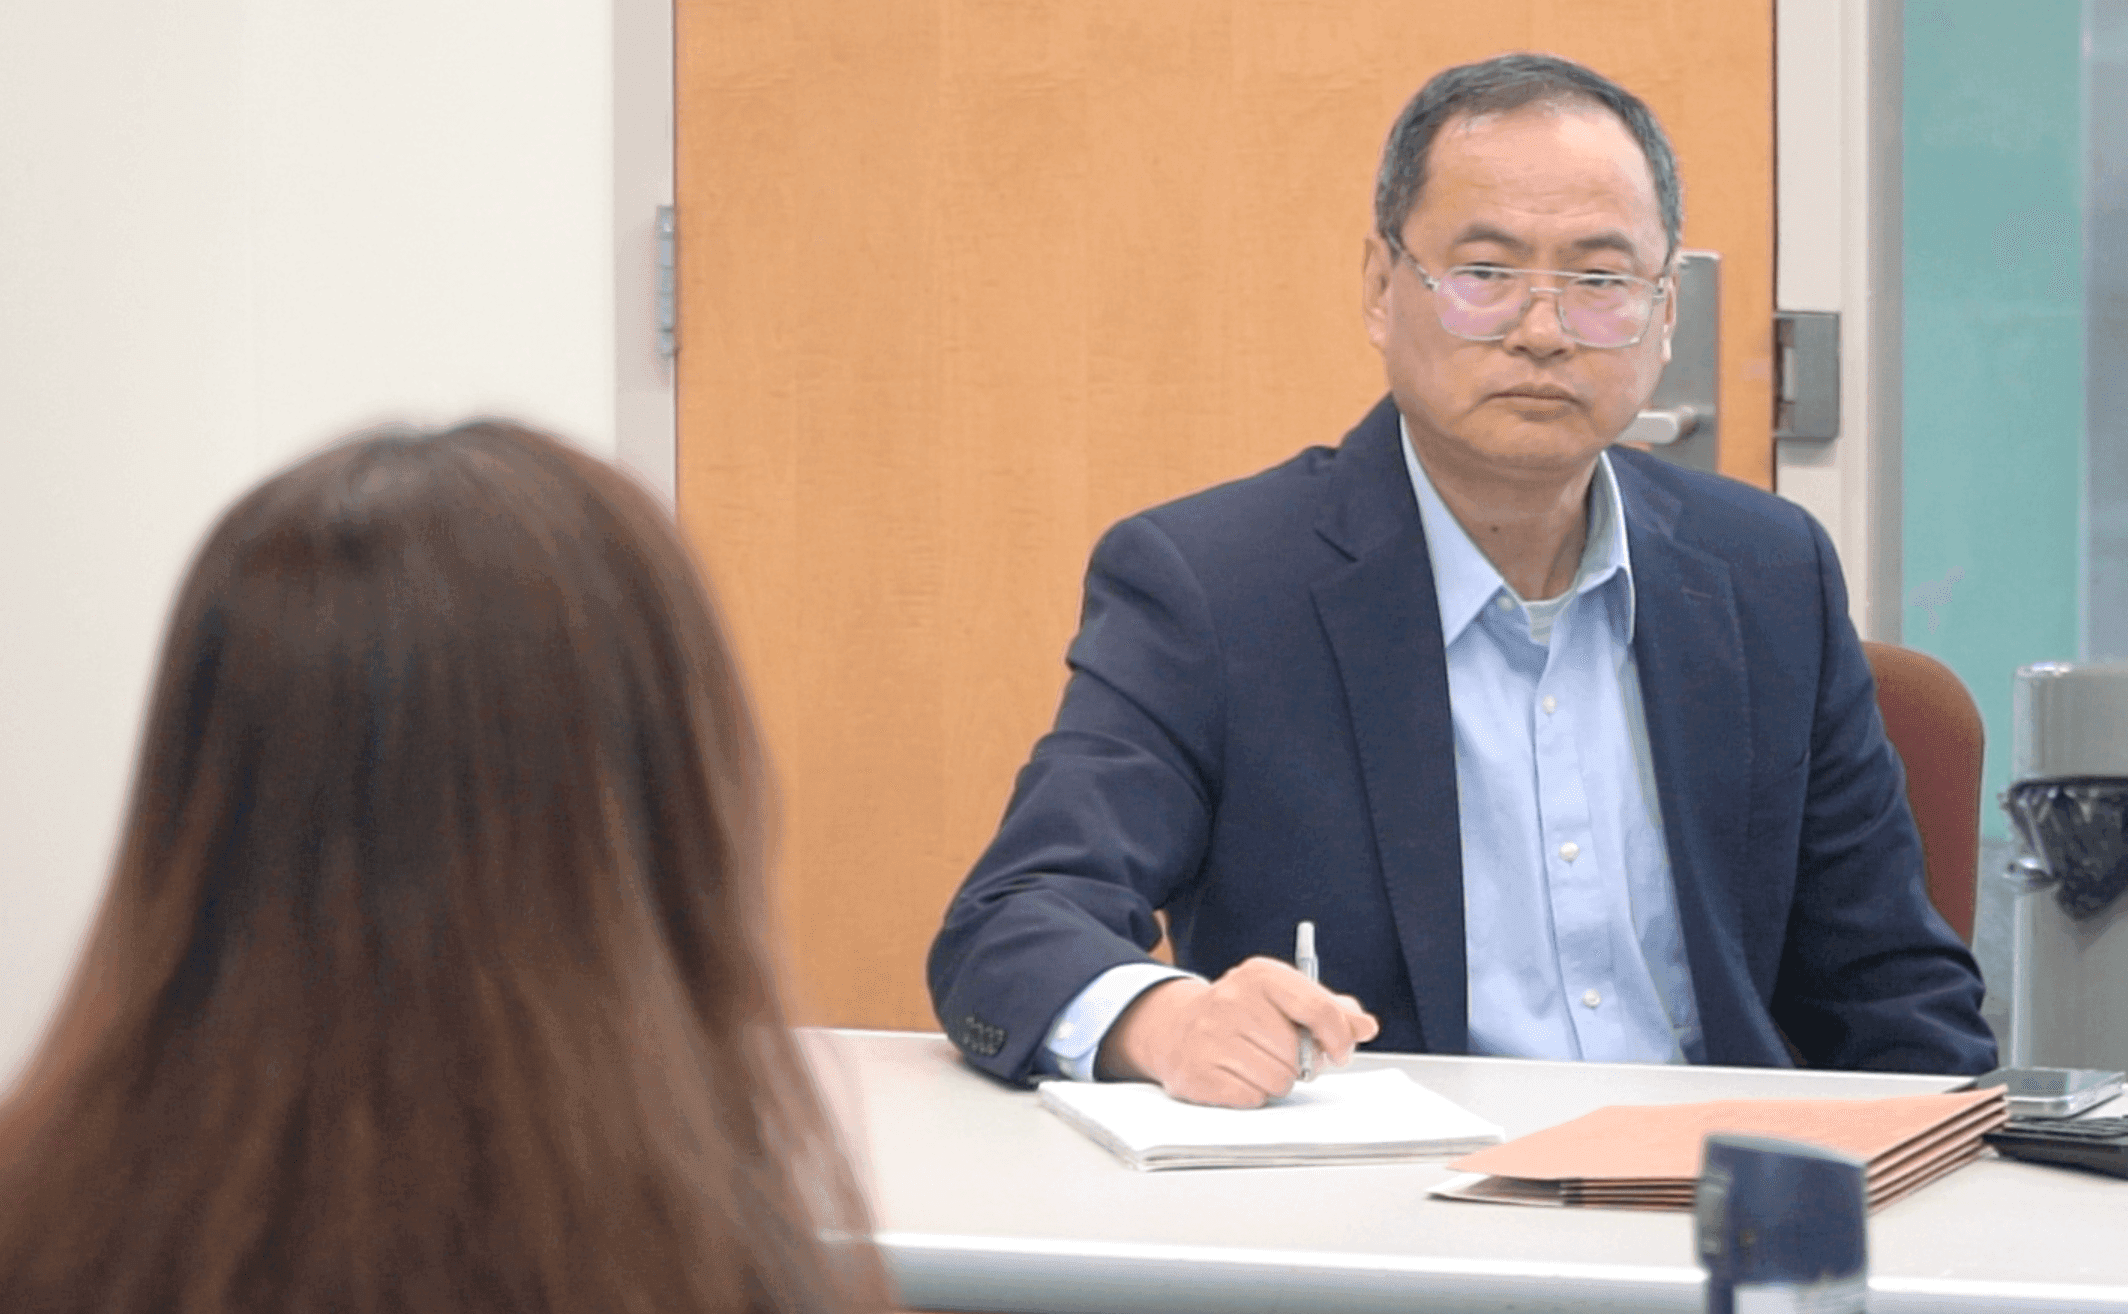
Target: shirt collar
1464, 580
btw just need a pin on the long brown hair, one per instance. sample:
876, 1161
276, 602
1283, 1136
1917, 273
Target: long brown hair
431, 975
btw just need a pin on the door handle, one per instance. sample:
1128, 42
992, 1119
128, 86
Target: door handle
1681, 424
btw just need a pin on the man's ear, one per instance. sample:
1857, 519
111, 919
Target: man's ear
1669, 316
1377, 263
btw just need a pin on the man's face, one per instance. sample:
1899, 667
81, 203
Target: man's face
1535, 188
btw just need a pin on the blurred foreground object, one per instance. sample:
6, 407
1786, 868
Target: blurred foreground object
1781, 1228
432, 976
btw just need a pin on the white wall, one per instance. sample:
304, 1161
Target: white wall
1838, 182
229, 230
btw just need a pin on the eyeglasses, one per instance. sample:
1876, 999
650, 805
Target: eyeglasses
1483, 303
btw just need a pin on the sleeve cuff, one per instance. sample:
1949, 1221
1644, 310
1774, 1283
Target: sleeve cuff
1074, 1040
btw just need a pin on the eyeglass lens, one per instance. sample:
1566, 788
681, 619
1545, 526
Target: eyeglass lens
1482, 302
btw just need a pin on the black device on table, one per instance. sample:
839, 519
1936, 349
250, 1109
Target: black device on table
2100, 1144
2043, 1127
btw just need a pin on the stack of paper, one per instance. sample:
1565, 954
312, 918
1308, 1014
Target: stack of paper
1647, 1157
1346, 1117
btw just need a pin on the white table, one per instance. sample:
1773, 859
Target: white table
985, 1201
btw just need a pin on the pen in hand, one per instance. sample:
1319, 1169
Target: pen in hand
1304, 959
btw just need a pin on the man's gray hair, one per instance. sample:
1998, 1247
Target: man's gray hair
1510, 82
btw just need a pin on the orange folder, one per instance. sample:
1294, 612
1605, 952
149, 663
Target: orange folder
1647, 1156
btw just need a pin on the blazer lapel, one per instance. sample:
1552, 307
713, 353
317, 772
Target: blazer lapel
1384, 627
1689, 649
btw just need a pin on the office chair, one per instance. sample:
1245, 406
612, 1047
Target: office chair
1934, 724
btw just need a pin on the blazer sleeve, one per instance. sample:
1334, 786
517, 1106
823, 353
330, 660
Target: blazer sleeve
1110, 814
1871, 976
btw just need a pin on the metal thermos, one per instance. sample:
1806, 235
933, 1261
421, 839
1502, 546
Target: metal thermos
1782, 1228
2068, 802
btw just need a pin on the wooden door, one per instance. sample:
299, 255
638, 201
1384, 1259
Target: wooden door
963, 282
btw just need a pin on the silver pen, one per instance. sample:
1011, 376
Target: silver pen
1304, 959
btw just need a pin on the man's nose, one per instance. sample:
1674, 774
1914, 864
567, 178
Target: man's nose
1540, 331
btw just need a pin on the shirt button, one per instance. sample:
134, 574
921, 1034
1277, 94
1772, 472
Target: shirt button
1570, 850
1550, 704
1506, 603
1591, 997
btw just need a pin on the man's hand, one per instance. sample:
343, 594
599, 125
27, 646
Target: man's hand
1236, 1041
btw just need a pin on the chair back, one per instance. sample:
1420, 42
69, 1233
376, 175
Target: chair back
1934, 724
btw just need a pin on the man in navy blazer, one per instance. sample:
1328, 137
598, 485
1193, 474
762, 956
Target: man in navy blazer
1266, 724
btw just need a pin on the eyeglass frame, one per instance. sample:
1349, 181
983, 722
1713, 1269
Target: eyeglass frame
1660, 286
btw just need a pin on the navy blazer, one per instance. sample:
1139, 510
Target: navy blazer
1256, 732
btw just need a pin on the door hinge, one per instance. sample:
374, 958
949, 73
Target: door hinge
1806, 374
668, 284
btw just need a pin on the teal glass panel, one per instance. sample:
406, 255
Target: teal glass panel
1992, 444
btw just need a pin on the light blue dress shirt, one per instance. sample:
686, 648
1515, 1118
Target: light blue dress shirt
1571, 933
1570, 921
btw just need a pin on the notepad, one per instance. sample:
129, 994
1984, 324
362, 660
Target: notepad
1647, 1157
1381, 1116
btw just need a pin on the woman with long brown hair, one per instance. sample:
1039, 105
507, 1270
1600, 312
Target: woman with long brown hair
431, 976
